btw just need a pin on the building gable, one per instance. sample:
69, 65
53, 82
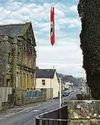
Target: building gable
27, 33
18, 30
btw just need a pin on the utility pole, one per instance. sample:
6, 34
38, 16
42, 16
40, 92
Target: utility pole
60, 95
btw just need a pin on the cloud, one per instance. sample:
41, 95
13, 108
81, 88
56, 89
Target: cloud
66, 58
65, 55
73, 8
71, 69
34, 11
69, 22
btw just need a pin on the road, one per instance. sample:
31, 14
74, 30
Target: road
71, 96
27, 115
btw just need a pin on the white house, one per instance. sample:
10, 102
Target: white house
47, 79
68, 86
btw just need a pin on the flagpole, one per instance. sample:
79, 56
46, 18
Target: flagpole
52, 42
60, 83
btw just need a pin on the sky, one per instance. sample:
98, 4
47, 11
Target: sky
65, 55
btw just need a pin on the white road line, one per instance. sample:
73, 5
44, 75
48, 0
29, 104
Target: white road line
1, 118
6, 116
36, 110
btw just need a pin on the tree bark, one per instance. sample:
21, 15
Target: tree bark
89, 12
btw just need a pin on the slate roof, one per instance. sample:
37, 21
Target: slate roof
11, 30
45, 73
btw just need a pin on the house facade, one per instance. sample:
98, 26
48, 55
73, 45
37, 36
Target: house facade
17, 56
47, 79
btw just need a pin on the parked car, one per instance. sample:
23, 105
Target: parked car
66, 93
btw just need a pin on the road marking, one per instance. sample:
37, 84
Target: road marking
6, 116
1, 118
36, 110
26, 110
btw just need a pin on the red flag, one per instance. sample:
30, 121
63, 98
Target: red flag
52, 26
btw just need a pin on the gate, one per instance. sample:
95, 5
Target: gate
57, 117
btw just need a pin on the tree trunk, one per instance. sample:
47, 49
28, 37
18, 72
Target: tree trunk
89, 11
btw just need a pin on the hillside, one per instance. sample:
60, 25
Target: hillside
70, 78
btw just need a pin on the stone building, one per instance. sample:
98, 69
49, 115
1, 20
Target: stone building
17, 56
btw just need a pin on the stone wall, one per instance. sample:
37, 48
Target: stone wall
5, 68
29, 96
84, 112
0, 104
89, 11
4, 92
3, 57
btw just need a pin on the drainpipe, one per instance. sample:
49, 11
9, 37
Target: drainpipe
14, 64
50, 89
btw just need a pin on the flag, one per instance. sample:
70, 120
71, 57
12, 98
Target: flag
52, 26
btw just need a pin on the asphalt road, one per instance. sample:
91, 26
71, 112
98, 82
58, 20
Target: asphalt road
27, 115
71, 96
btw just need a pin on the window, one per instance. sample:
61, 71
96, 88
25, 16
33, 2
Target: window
43, 82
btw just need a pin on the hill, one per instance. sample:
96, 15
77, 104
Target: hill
70, 78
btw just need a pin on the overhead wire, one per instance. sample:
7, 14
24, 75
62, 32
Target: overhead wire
44, 11
18, 8
11, 12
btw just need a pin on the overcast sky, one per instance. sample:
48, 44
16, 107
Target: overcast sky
65, 55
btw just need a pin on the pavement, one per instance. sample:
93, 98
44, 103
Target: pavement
26, 115
19, 108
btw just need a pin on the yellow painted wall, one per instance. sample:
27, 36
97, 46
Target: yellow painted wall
49, 83
55, 86
30, 81
26, 80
